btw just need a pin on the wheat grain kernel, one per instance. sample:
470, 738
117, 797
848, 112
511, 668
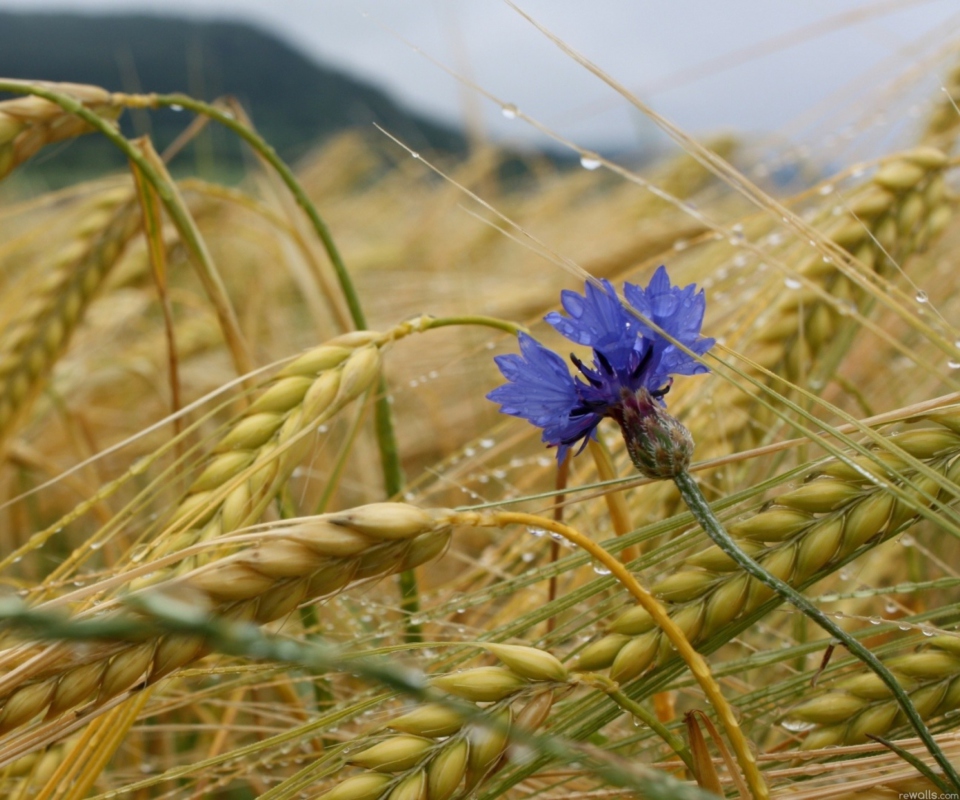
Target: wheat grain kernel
535, 713
683, 586
871, 202
386, 520
726, 603
714, 559
928, 664
601, 653
173, 651
26, 703
635, 656
927, 443
396, 754
771, 526
899, 175
480, 684
876, 720
820, 496
281, 600
926, 156
423, 549
824, 737
829, 708
125, 669
446, 771
486, 746
368, 786
431, 720
866, 519
228, 581
530, 662
633, 622
928, 699
413, 787
324, 539
222, 469
76, 686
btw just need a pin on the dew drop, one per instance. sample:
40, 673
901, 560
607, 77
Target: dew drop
826, 189
415, 155
874, 621
681, 244
526, 558
590, 162
486, 444
600, 569
921, 297
792, 283
928, 633
907, 540
537, 532
797, 726
953, 364
509, 111
903, 626
890, 607
176, 107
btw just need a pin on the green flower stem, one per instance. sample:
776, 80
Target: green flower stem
477, 319
700, 508
612, 690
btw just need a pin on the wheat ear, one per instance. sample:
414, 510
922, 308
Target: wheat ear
289, 566
858, 707
437, 752
895, 214
35, 338
28, 124
806, 532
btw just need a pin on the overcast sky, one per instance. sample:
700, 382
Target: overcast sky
681, 56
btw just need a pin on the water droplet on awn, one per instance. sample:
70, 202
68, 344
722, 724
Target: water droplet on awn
588, 162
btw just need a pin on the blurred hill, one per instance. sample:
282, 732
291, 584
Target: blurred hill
294, 101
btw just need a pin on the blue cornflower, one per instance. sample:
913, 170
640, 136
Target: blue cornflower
631, 369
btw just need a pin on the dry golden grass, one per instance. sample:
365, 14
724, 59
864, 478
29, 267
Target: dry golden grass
139, 464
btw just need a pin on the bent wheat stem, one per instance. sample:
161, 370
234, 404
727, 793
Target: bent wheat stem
696, 663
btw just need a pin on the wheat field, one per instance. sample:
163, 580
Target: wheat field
264, 535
